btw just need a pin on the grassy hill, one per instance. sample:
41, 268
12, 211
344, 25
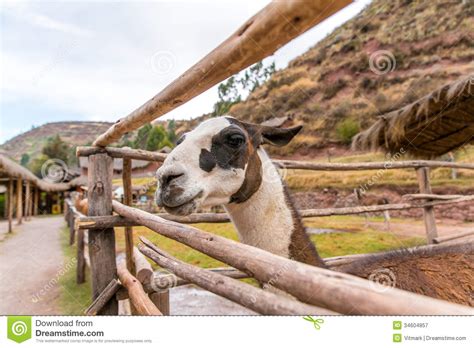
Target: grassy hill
73, 133
389, 55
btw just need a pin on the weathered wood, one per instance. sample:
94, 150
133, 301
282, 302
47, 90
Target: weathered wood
72, 230
161, 300
260, 36
289, 164
119, 221
339, 292
101, 242
104, 297
263, 302
416, 196
138, 297
423, 176
81, 261
28, 201
454, 236
36, 200
19, 201
144, 271
127, 200
121, 152
10, 205
370, 165
161, 279
146, 277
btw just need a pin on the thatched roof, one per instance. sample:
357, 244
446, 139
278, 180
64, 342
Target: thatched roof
11, 169
438, 123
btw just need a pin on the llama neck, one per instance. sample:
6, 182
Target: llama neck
269, 220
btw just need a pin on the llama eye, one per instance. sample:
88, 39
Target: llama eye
235, 140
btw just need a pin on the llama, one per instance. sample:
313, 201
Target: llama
222, 162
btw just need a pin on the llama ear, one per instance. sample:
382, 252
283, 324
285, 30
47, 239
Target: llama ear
278, 136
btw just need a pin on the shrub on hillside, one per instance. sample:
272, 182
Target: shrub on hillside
346, 129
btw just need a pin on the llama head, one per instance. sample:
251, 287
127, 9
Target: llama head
216, 163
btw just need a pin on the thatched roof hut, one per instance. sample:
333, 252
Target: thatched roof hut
11, 169
440, 122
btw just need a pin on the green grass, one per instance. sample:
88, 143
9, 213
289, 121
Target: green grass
357, 240
74, 299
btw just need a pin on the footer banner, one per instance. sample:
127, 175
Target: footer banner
236, 331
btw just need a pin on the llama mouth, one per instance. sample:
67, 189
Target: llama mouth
185, 208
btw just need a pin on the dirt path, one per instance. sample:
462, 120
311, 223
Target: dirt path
30, 262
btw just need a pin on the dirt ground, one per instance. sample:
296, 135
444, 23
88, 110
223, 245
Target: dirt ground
30, 262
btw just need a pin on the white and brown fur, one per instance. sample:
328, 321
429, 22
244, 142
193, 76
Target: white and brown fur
259, 205
203, 171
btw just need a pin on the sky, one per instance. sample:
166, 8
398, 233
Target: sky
100, 60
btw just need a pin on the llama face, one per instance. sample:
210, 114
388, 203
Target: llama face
216, 163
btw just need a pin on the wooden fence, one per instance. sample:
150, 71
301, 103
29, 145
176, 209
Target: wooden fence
136, 275
314, 290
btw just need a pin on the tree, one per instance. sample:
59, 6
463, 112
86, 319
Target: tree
172, 131
229, 92
56, 148
142, 136
155, 138
25, 158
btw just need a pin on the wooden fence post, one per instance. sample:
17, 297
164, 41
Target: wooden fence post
19, 201
28, 201
72, 229
10, 205
423, 175
101, 241
81, 261
127, 200
36, 200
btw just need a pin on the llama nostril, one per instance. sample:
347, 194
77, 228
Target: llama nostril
167, 179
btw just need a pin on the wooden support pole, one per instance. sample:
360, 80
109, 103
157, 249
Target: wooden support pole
127, 200
104, 297
423, 175
101, 242
260, 301
36, 200
28, 201
81, 262
72, 230
145, 276
19, 201
336, 291
10, 205
138, 298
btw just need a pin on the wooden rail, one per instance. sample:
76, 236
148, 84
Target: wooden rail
335, 291
258, 300
84, 151
87, 222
